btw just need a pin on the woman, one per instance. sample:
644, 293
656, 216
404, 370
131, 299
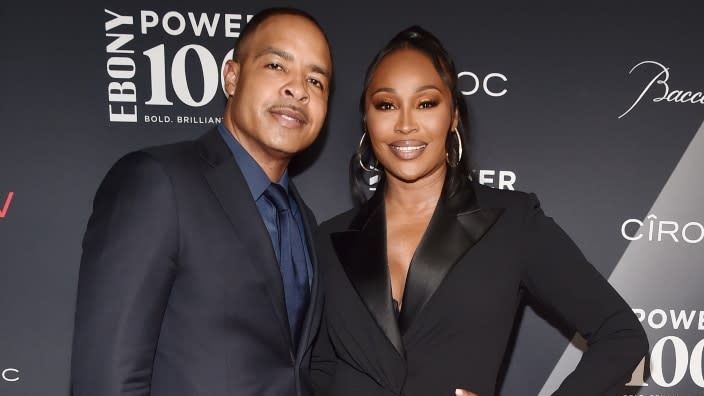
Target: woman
423, 281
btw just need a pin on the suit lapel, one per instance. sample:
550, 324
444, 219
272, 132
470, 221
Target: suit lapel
455, 227
313, 313
362, 252
230, 188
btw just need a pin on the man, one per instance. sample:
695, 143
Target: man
198, 273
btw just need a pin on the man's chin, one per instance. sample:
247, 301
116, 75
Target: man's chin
289, 147
284, 152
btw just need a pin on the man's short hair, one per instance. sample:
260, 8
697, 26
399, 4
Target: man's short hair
267, 13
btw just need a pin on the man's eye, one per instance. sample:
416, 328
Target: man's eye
274, 66
316, 82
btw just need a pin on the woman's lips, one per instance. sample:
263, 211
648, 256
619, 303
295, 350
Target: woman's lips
408, 149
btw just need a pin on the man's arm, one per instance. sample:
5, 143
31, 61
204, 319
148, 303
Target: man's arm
125, 277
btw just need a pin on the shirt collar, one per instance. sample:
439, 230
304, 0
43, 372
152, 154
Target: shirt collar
254, 175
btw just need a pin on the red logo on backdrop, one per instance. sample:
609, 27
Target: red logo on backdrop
5, 204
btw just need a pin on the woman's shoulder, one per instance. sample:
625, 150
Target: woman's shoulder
339, 222
489, 197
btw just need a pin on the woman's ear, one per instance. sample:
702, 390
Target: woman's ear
455, 119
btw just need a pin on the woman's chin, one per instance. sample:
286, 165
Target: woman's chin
414, 174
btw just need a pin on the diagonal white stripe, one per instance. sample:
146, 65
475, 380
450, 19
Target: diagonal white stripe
656, 274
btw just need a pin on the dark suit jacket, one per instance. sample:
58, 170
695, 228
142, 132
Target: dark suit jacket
482, 248
179, 291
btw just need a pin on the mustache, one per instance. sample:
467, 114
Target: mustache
292, 110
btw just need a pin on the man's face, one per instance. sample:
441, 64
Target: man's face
278, 88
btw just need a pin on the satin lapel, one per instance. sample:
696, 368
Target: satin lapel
457, 225
313, 313
230, 188
362, 253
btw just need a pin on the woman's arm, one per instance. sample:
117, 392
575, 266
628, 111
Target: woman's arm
558, 275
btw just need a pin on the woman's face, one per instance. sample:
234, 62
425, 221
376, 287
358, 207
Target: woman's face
409, 113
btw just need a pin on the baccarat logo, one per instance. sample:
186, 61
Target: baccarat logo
659, 89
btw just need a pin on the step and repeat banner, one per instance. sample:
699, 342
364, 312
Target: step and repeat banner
596, 107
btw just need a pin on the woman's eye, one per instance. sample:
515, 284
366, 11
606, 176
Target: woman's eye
384, 106
428, 104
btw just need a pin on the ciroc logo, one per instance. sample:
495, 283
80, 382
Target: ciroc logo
10, 375
493, 84
655, 230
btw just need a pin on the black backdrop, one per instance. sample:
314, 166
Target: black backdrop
546, 85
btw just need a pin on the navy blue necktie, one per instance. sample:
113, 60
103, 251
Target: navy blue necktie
292, 260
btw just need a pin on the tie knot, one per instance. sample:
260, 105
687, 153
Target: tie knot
276, 194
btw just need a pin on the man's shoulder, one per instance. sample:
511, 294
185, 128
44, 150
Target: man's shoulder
173, 153
183, 154
170, 161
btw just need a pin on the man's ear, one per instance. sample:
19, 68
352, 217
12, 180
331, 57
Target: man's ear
230, 75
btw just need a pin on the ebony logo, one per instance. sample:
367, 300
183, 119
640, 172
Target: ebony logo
5, 204
130, 51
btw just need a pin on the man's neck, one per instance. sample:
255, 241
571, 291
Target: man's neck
273, 164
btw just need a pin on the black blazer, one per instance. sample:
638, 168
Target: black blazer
179, 290
482, 248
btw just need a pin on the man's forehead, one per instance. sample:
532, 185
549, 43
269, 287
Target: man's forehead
286, 20
280, 28
284, 26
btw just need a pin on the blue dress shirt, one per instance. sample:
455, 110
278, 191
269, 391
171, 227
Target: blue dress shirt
257, 181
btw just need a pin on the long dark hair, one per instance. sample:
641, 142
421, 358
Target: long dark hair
421, 40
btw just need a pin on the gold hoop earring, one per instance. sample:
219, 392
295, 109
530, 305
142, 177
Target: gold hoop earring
368, 168
459, 150
459, 144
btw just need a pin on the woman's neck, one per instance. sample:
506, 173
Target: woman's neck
419, 195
